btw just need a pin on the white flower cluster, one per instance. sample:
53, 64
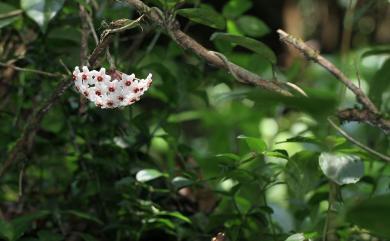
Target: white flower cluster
110, 91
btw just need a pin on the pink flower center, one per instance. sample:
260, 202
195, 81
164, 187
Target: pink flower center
121, 98
73, 77
100, 78
128, 83
111, 89
135, 90
98, 93
84, 76
110, 103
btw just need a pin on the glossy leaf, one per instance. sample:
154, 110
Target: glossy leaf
249, 43
42, 11
180, 182
341, 168
205, 15
148, 175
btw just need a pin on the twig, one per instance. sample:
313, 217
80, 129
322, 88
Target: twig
314, 55
19, 150
84, 35
187, 42
357, 143
352, 114
35, 71
11, 14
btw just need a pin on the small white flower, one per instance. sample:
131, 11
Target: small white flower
110, 90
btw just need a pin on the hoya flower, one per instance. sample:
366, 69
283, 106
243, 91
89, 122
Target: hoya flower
112, 89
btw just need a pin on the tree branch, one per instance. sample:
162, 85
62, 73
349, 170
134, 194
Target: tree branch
369, 114
314, 55
357, 143
188, 43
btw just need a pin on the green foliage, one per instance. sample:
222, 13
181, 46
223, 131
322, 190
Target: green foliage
200, 153
41, 11
249, 43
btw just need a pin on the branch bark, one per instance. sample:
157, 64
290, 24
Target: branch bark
369, 114
189, 43
314, 55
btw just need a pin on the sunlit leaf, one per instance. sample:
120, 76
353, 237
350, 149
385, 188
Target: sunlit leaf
42, 11
146, 175
341, 168
254, 144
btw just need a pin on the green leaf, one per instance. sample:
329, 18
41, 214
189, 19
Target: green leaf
380, 83
235, 8
377, 50
341, 168
46, 235
230, 156
252, 26
249, 43
21, 224
296, 237
146, 175
13, 13
175, 215
41, 11
6, 230
180, 182
84, 215
254, 144
372, 214
206, 16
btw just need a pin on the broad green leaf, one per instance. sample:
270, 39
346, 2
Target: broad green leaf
180, 182
252, 26
372, 214
254, 144
249, 43
235, 8
84, 215
146, 175
206, 16
380, 83
42, 11
13, 14
341, 168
